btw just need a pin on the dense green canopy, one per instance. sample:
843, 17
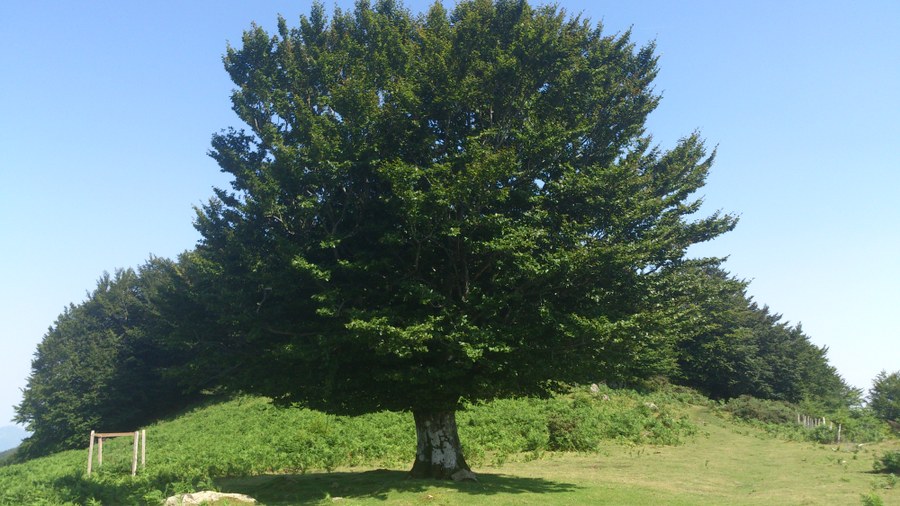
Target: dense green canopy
452, 206
884, 396
104, 364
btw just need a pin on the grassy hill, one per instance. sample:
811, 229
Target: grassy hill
612, 447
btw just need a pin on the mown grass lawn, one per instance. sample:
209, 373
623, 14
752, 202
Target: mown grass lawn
726, 464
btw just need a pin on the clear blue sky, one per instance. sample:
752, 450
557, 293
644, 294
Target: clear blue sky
107, 109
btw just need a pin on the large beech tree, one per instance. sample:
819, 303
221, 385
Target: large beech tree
450, 207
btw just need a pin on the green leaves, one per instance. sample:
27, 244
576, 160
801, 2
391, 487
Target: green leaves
884, 396
302, 265
729, 346
454, 206
102, 365
384, 338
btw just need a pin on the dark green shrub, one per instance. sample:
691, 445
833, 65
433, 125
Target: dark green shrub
573, 425
888, 462
823, 434
861, 426
576, 422
501, 428
764, 410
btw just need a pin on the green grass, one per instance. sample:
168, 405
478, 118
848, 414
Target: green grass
659, 449
725, 464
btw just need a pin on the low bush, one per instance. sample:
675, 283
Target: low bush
576, 422
763, 410
888, 462
779, 419
861, 426
871, 499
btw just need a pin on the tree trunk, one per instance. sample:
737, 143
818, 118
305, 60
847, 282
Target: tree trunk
438, 452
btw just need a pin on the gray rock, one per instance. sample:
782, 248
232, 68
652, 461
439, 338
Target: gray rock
197, 498
463, 475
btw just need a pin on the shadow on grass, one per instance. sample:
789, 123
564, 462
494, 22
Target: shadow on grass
378, 484
76, 488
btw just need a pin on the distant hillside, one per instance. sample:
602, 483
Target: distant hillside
6, 454
11, 436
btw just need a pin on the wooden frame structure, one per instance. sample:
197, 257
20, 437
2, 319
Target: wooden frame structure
140, 442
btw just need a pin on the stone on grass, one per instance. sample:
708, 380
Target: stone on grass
206, 496
463, 475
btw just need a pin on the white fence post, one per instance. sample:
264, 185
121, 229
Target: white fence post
134, 454
91, 454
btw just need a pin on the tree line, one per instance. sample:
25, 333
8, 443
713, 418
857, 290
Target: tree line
146, 343
427, 210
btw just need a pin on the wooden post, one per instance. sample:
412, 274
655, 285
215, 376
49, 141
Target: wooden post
134, 454
99, 452
839, 434
143, 448
91, 453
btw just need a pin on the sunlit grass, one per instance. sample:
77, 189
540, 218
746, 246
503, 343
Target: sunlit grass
725, 464
283, 457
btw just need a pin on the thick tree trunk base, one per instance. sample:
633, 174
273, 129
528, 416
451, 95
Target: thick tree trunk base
438, 451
